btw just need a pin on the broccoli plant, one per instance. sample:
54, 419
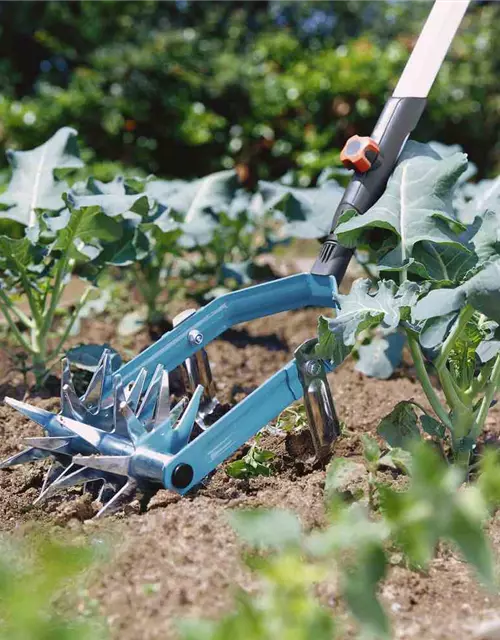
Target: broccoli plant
225, 229
46, 237
444, 295
206, 231
152, 248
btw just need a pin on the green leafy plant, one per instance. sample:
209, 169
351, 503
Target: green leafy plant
152, 245
39, 580
446, 300
353, 551
46, 238
205, 232
209, 231
293, 418
257, 462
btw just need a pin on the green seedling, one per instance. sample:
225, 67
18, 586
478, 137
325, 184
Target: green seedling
257, 462
354, 549
47, 238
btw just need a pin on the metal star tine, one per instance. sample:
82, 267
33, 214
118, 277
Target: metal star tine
134, 391
30, 454
101, 414
101, 384
146, 410
144, 463
112, 434
125, 493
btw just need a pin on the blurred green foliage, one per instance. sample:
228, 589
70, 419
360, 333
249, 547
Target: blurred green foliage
186, 88
354, 551
39, 581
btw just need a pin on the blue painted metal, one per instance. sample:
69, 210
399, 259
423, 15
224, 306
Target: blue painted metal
265, 403
237, 426
285, 294
122, 447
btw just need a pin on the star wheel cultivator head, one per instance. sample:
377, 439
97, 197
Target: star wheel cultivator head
119, 437
125, 434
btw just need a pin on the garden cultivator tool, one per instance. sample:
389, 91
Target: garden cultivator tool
123, 431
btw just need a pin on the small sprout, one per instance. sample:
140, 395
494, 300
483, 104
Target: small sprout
257, 462
292, 419
150, 588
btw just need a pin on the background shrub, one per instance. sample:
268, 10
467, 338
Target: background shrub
188, 88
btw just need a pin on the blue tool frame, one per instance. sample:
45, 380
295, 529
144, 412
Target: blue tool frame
285, 294
249, 416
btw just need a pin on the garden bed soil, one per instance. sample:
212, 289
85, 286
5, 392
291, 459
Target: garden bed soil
179, 557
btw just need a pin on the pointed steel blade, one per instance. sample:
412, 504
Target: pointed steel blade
40, 416
61, 445
185, 426
120, 423
54, 472
48, 421
135, 428
159, 439
162, 410
109, 487
71, 405
28, 455
100, 387
71, 468
74, 479
112, 464
134, 394
90, 434
148, 404
91, 397
126, 492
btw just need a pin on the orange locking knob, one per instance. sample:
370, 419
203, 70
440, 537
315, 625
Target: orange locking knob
359, 153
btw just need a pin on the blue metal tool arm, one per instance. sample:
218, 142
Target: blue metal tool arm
236, 427
294, 292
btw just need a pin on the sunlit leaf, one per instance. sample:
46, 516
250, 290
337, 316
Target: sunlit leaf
33, 184
399, 428
416, 206
361, 309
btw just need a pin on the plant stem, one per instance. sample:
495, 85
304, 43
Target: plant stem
491, 389
34, 308
12, 307
478, 384
450, 392
464, 316
12, 325
423, 376
55, 352
56, 294
419, 406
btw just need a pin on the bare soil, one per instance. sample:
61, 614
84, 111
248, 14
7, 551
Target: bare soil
178, 557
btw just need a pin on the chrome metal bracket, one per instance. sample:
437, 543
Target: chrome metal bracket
323, 421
